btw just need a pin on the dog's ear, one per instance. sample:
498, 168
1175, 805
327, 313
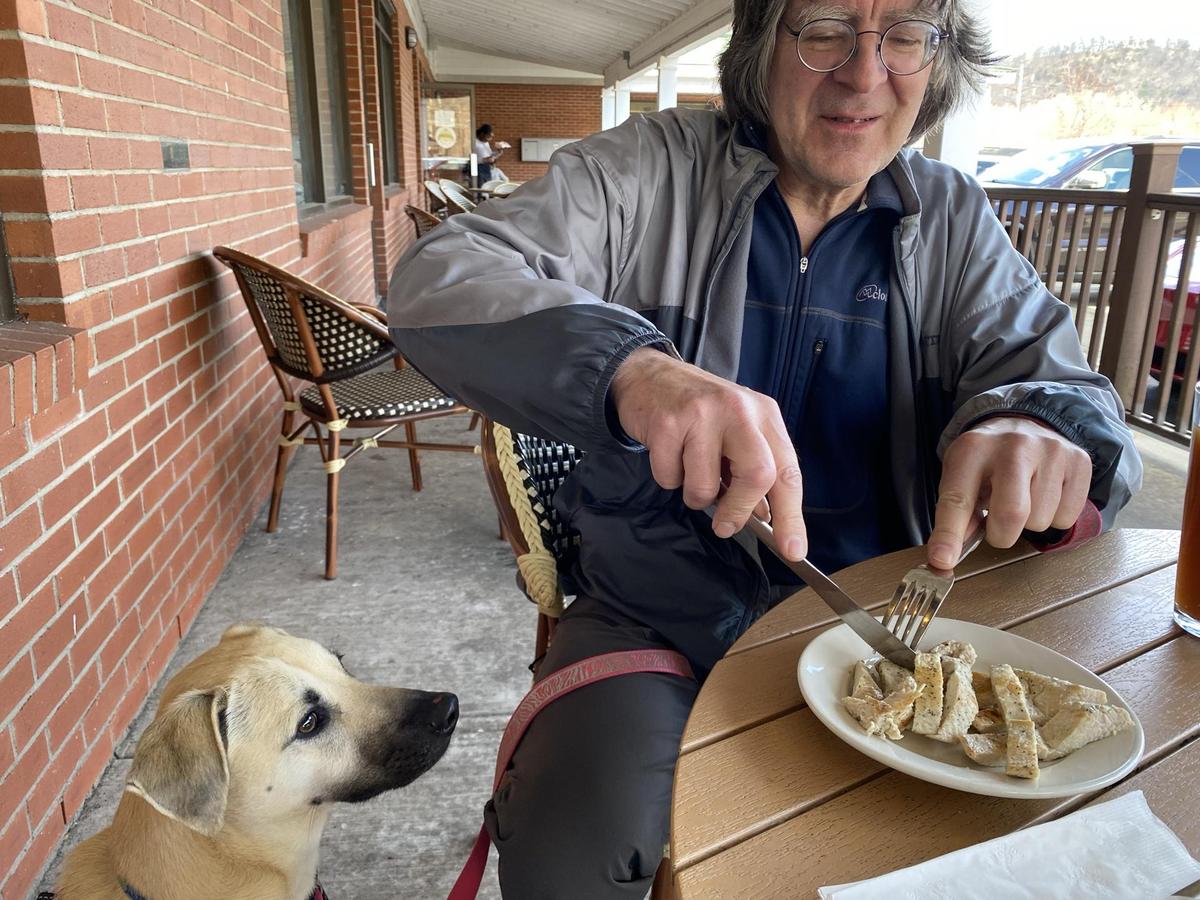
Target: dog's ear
181, 766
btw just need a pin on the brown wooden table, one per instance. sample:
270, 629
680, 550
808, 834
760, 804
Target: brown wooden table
769, 803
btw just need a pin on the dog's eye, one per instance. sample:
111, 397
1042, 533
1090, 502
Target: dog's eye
310, 724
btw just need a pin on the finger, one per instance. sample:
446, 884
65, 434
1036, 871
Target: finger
1045, 494
1008, 509
701, 469
787, 500
763, 510
1076, 484
958, 496
751, 474
666, 463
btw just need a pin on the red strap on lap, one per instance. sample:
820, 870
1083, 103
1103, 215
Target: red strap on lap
559, 684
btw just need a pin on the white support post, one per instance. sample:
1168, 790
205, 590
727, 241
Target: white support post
668, 73
622, 104
608, 108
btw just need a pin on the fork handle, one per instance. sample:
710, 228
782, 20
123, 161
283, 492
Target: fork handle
974, 538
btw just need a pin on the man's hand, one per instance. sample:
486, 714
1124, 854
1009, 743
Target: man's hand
1024, 473
692, 423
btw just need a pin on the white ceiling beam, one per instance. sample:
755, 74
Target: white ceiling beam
703, 21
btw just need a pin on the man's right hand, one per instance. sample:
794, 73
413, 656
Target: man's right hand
694, 423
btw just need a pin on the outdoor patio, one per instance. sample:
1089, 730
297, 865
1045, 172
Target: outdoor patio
425, 599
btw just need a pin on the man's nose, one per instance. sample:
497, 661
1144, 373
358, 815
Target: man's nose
864, 71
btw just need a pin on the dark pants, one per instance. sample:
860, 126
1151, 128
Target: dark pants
584, 809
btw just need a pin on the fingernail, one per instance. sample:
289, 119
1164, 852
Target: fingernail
724, 529
794, 549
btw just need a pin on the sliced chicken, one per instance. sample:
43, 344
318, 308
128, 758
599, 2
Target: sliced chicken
988, 721
927, 713
1048, 695
958, 650
960, 705
992, 749
1073, 727
1010, 695
863, 684
1021, 749
894, 677
983, 690
883, 717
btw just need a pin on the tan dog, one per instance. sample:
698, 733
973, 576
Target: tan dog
233, 781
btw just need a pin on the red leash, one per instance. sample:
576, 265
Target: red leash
559, 684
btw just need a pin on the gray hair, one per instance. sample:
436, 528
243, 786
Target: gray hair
960, 68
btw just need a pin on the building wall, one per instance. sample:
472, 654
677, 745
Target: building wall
535, 110
137, 417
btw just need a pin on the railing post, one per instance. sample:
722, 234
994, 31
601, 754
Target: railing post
1133, 288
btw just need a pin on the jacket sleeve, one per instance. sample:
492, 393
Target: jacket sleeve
1014, 350
502, 308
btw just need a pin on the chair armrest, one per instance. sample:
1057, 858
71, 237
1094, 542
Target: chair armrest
373, 311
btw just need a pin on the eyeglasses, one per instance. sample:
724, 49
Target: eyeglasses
905, 48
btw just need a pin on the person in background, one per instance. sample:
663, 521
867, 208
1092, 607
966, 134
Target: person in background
486, 154
780, 296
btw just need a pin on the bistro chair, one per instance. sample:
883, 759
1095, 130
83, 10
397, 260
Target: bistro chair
457, 200
504, 189
437, 199
423, 221
336, 348
523, 472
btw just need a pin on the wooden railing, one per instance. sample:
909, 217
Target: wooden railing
1123, 260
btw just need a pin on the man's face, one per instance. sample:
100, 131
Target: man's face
833, 130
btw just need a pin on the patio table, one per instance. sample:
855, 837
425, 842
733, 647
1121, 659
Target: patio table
769, 803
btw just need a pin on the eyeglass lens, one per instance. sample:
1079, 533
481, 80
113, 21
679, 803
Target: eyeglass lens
905, 48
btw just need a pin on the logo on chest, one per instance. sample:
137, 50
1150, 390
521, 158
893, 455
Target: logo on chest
871, 292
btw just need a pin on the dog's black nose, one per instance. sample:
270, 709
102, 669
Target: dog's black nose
444, 715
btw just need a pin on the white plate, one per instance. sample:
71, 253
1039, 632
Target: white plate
824, 673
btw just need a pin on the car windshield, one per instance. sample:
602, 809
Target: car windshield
1036, 167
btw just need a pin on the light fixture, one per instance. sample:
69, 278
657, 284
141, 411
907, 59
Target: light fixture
410, 37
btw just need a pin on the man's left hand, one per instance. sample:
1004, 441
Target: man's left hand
1025, 474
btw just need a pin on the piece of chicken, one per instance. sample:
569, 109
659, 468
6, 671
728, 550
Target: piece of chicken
1021, 750
1077, 726
863, 684
958, 650
1048, 695
883, 717
960, 706
927, 714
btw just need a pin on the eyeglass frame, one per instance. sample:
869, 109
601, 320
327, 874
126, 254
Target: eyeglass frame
942, 35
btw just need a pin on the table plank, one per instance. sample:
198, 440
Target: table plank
712, 812
839, 839
751, 687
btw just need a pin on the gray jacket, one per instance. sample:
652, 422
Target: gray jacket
640, 236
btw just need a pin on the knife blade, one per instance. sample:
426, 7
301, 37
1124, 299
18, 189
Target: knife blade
860, 621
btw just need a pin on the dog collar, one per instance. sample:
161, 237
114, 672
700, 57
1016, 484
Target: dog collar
318, 893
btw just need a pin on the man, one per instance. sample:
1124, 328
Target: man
779, 296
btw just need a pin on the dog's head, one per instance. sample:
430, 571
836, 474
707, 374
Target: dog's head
267, 727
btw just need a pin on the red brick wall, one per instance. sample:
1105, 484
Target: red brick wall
535, 110
136, 412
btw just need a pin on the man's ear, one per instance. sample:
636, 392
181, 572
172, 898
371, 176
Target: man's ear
181, 766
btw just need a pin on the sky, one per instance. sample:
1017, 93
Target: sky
1020, 25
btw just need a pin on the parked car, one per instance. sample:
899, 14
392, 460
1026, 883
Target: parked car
1170, 285
1085, 163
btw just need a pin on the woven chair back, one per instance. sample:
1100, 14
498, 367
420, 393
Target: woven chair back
306, 331
423, 221
545, 466
456, 197
437, 198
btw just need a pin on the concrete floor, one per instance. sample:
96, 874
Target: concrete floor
425, 599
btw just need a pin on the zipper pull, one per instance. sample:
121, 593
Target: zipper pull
818, 348
803, 264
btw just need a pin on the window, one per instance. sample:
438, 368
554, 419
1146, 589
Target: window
8, 296
1187, 176
385, 59
1116, 168
312, 45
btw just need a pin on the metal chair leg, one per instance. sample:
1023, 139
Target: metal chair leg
282, 456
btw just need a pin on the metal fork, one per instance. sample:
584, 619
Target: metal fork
922, 591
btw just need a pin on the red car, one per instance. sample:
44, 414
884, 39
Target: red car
1170, 284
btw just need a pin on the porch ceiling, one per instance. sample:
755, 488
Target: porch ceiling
582, 35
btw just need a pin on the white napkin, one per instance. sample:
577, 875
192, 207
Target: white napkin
1118, 850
